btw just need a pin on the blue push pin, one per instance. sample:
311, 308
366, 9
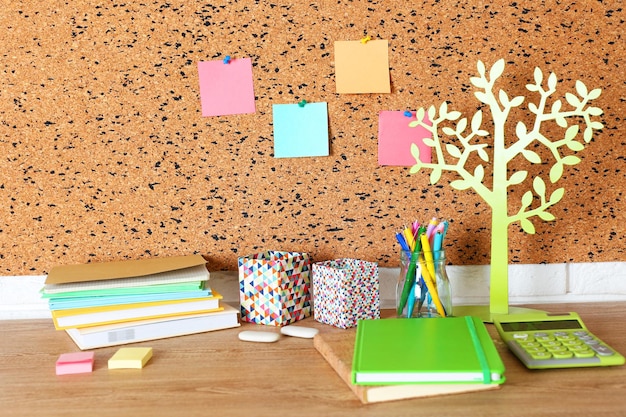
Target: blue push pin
227, 59
407, 113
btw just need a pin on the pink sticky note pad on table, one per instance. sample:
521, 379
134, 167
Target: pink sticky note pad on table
75, 363
226, 88
395, 138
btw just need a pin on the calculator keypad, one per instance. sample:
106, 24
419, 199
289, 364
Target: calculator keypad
559, 347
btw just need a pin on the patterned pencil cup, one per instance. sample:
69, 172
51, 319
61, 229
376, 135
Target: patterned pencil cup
274, 287
414, 290
344, 291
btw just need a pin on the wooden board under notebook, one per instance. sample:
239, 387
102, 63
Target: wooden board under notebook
338, 348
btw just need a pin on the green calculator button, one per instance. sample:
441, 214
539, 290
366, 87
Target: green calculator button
546, 338
540, 355
530, 344
560, 348
565, 354
535, 349
574, 342
551, 343
579, 348
586, 353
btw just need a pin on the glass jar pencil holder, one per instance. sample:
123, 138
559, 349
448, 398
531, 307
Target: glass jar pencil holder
423, 287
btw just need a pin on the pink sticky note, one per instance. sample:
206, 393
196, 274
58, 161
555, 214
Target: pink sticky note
395, 138
226, 88
75, 363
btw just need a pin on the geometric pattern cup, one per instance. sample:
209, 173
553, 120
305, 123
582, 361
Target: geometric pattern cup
274, 287
344, 291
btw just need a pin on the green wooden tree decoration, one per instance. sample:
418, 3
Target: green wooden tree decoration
463, 143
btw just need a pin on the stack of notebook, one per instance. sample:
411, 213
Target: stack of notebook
113, 303
393, 359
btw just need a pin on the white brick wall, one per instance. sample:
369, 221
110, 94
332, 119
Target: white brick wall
551, 283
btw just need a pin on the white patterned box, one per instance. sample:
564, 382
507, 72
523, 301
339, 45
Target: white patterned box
344, 291
274, 287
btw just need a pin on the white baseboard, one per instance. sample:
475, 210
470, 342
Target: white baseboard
545, 283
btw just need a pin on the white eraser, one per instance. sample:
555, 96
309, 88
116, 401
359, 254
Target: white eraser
299, 331
256, 336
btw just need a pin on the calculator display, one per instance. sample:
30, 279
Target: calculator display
540, 325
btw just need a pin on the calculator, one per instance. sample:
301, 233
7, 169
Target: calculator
544, 341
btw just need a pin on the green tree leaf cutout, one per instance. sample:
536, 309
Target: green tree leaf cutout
454, 157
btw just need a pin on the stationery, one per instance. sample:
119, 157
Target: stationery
438, 350
100, 293
300, 130
75, 363
97, 300
129, 273
226, 87
130, 291
130, 357
337, 347
428, 273
152, 329
395, 138
422, 280
362, 67
409, 283
93, 316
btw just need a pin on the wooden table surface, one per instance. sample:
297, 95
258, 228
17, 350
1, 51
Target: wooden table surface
215, 374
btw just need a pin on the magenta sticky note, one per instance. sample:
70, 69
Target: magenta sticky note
75, 363
395, 138
226, 87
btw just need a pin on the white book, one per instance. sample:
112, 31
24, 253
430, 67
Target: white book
141, 331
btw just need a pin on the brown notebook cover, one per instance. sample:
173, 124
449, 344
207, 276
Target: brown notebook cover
337, 347
97, 271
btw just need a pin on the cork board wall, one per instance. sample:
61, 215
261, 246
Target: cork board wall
105, 153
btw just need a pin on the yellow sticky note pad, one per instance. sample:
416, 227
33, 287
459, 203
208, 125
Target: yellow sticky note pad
130, 357
362, 67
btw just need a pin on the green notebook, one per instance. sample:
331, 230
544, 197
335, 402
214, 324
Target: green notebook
434, 350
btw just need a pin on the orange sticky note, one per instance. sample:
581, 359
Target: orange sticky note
362, 67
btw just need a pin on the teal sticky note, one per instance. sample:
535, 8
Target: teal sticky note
300, 130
